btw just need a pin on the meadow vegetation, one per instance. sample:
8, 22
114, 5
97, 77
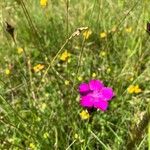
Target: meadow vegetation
48, 49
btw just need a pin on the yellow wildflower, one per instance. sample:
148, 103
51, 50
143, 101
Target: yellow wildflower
65, 55
102, 53
19, 50
84, 115
43, 80
80, 78
7, 71
45, 135
38, 67
131, 79
67, 82
108, 70
131, 89
137, 89
43, 106
32, 146
87, 33
128, 29
93, 74
69, 60
134, 89
38, 119
76, 136
43, 3
103, 35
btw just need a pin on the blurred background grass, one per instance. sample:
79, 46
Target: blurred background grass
40, 107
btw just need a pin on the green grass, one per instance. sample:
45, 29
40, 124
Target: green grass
38, 110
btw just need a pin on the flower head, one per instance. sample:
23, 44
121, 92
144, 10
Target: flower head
19, 50
103, 35
87, 33
65, 55
46, 135
103, 54
7, 71
43, 3
137, 89
38, 67
93, 74
42, 106
80, 78
134, 89
67, 82
95, 95
76, 136
128, 29
84, 115
32, 146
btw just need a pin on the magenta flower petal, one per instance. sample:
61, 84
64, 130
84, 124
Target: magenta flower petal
94, 95
96, 85
87, 101
107, 93
101, 104
83, 88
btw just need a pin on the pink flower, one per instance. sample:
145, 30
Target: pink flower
95, 95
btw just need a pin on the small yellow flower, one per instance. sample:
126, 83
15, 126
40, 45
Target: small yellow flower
93, 74
43, 80
32, 146
103, 54
69, 60
86, 34
38, 67
19, 50
38, 119
131, 79
130, 89
43, 3
43, 106
134, 89
137, 89
103, 35
76, 136
80, 78
65, 55
7, 71
108, 70
84, 115
128, 29
67, 82
45, 135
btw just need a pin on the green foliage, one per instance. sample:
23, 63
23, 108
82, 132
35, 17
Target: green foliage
39, 108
